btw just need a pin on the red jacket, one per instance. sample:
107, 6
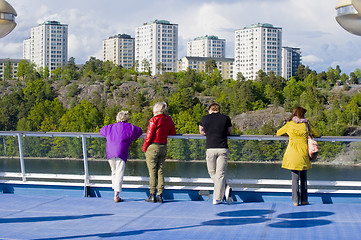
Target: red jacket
160, 126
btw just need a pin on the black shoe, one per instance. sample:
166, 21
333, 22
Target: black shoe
151, 198
160, 198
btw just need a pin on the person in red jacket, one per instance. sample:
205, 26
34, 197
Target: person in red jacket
155, 148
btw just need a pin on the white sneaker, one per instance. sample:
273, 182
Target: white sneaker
216, 202
228, 194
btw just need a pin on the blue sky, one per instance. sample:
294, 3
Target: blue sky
308, 24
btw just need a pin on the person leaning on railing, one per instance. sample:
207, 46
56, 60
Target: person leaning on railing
296, 157
119, 136
216, 127
155, 148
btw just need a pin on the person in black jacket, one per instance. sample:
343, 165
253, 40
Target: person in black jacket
216, 127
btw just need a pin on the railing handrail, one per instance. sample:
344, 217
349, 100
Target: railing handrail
179, 136
86, 177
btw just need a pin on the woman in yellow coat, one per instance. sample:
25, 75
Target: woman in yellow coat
296, 157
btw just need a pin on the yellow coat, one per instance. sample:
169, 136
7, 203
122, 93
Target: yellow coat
296, 155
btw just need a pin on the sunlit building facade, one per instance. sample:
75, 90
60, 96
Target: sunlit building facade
14, 67
207, 46
156, 43
224, 65
119, 49
258, 47
48, 45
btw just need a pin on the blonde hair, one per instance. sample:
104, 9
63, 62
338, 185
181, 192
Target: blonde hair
123, 116
160, 108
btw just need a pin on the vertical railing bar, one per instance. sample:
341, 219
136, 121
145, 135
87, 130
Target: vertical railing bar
86, 170
21, 153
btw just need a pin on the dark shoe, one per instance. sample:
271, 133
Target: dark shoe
151, 198
118, 199
305, 203
160, 198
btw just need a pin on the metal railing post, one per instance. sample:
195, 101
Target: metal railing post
21, 153
86, 170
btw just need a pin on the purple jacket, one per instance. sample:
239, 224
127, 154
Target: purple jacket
119, 136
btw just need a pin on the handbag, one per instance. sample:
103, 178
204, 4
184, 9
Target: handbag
312, 144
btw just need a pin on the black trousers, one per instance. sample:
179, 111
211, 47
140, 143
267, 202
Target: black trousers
299, 178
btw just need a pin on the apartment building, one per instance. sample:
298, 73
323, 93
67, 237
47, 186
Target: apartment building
47, 45
224, 65
258, 47
207, 46
291, 59
14, 66
156, 44
119, 49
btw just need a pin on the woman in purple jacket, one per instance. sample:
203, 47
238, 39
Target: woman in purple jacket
119, 136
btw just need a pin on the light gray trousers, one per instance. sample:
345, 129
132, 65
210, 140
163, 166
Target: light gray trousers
217, 159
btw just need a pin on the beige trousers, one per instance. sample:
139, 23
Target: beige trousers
217, 159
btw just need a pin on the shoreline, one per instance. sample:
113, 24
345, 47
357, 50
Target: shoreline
172, 160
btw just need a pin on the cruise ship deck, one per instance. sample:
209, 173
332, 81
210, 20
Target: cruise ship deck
54, 214
38, 205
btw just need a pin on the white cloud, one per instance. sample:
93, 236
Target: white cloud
311, 59
307, 24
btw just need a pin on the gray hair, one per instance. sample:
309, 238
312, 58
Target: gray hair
123, 116
160, 108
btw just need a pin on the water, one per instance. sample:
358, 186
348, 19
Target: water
237, 170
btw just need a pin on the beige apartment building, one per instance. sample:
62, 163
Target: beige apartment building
14, 66
119, 49
224, 65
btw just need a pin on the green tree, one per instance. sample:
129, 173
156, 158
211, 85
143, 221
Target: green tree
8, 71
210, 66
46, 72
146, 66
70, 71
84, 117
25, 69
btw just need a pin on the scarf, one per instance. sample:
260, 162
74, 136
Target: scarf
300, 120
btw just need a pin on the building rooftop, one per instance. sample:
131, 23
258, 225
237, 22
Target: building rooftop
126, 36
53, 23
158, 22
265, 25
207, 37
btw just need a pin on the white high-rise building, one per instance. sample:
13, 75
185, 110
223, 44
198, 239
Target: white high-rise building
27, 49
291, 59
119, 49
207, 46
156, 44
258, 47
48, 45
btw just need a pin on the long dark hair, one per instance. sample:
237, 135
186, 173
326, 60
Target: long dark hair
298, 112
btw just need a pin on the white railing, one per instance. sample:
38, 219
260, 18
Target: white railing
87, 180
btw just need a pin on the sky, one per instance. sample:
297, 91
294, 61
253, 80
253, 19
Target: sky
307, 24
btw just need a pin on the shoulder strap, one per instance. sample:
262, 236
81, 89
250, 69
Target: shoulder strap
308, 129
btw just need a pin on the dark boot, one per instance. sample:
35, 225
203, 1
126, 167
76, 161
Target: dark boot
160, 198
151, 198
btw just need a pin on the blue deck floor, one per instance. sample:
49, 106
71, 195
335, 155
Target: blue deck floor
69, 217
